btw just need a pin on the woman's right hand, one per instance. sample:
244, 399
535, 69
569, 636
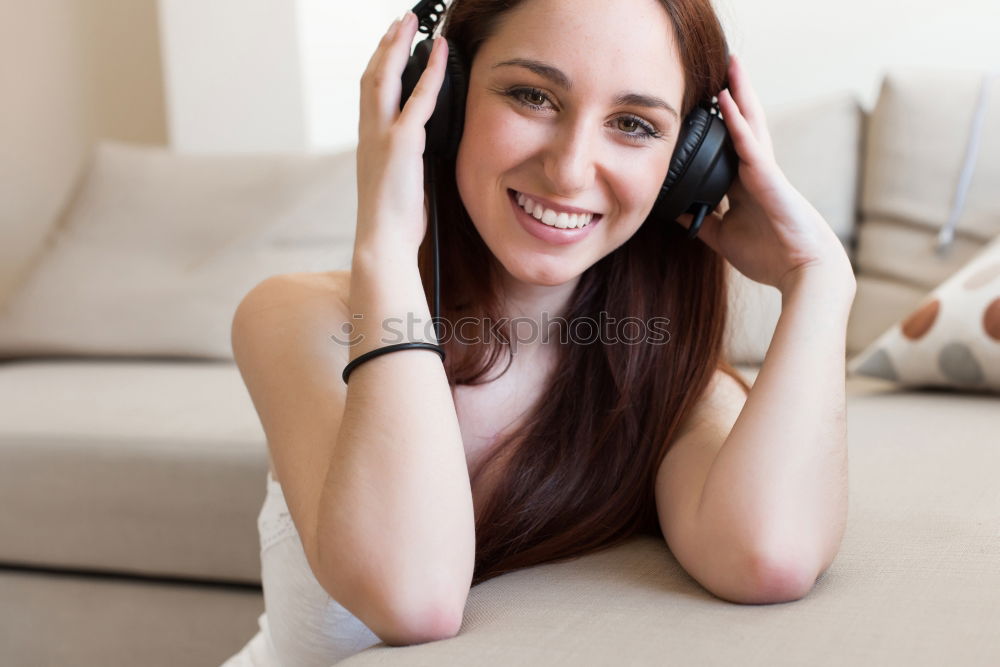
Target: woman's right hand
391, 143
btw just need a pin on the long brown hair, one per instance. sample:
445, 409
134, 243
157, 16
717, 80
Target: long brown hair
579, 473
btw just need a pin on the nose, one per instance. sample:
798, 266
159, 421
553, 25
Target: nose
570, 159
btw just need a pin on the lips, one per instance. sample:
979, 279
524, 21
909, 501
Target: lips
546, 233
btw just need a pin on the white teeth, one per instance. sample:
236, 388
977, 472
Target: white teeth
550, 217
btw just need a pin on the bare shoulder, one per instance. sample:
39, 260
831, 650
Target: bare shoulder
295, 289
281, 342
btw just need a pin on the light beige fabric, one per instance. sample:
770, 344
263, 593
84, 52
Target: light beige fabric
918, 137
952, 339
754, 310
159, 249
112, 621
817, 144
146, 467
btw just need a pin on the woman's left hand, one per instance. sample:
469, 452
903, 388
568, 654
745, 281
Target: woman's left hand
766, 229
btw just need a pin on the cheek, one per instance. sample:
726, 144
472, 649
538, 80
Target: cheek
492, 144
492, 139
637, 186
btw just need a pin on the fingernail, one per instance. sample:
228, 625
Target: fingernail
392, 27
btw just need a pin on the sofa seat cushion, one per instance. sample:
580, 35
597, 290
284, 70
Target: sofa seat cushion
140, 466
70, 619
915, 584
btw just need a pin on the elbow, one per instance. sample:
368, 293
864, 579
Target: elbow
407, 624
768, 576
401, 614
779, 575
398, 612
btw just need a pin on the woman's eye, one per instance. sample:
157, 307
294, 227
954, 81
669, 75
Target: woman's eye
529, 97
638, 129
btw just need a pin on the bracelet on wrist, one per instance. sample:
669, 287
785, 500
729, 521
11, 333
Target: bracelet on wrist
385, 350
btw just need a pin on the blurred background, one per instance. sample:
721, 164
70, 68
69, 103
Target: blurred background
272, 75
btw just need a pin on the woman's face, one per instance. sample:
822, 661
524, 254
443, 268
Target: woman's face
571, 104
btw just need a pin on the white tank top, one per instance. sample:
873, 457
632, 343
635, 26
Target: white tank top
302, 626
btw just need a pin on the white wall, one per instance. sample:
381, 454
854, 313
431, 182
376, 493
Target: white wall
796, 49
233, 77
334, 53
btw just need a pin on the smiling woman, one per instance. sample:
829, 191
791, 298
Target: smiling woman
573, 112
572, 116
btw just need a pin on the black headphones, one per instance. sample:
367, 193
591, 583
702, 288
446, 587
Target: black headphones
702, 168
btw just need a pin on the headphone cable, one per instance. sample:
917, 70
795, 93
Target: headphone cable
429, 167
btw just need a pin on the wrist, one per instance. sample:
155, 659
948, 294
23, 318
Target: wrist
382, 256
835, 282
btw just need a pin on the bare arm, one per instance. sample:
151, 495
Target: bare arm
396, 504
395, 507
779, 483
355, 538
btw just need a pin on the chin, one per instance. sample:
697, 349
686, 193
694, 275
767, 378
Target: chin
541, 275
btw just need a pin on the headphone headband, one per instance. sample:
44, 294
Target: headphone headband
429, 13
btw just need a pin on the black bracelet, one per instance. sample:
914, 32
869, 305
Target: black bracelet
390, 348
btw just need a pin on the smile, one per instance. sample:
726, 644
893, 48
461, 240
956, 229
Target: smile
549, 224
560, 219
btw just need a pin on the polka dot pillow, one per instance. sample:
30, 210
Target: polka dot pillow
952, 339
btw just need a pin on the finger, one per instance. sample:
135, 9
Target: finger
382, 81
745, 96
368, 89
744, 140
420, 106
723, 206
389, 72
376, 56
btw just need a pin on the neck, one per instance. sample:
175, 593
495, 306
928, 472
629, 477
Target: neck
531, 307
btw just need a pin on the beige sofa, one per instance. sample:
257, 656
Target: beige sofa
132, 463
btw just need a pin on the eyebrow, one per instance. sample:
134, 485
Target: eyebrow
556, 76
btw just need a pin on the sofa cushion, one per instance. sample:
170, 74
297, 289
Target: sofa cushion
952, 339
145, 467
69, 619
920, 142
159, 248
829, 126
915, 583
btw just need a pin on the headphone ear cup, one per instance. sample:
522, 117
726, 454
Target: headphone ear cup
702, 169
693, 132
444, 128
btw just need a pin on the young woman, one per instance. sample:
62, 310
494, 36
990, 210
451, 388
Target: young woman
390, 496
